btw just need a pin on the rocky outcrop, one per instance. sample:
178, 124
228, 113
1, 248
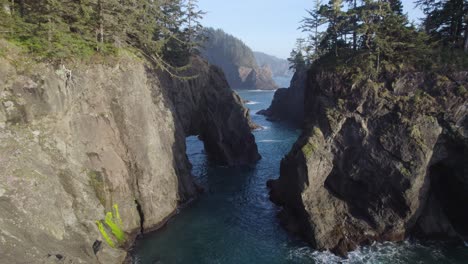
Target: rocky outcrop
237, 61
378, 161
257, 78
94, 155
215, 113
279, 67
288, 103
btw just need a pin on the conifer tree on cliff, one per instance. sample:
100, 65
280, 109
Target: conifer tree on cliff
296, 58
334, 17
311, 24
193, 28
446, 21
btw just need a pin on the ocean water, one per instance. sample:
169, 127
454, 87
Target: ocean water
234, 222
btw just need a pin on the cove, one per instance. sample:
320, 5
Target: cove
234, 221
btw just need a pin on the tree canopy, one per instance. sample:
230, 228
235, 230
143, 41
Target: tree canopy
378, 35
162, 30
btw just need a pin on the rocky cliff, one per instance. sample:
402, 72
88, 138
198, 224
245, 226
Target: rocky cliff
378, 161
207, 107
288, 103
91, 155
237, 61
279, 67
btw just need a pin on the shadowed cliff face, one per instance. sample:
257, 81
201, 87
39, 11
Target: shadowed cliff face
207, 107
76, 144
288, 103
377, 162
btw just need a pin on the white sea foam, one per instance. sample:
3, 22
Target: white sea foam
269, 140
262, 128
376, 253
259, 91
252, 103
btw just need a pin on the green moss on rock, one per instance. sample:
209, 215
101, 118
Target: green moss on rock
96, 180
308, 149
405, 171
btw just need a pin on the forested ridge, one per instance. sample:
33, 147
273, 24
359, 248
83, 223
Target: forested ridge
164, 31
236, 59
223, 49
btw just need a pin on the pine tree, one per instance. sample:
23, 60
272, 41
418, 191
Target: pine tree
396, 6
335, 18
353, 19
446, 20
296, 58
311, 24
193, 25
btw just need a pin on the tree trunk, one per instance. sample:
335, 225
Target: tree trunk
101, 25
354, 28
49, 24
316, 40
21, 4
466, 36
10, 9
465, 48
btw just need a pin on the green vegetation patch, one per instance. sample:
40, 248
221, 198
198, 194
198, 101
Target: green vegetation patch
308, 149
405, 171
415, 134
461, 91
311, 146
333, 116
111, 228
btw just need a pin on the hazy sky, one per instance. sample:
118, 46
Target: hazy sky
269, 26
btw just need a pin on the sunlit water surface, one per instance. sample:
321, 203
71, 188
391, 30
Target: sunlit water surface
234, 222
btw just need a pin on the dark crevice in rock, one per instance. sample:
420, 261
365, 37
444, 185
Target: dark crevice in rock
449, 190
142, 216
444, 215
97, 246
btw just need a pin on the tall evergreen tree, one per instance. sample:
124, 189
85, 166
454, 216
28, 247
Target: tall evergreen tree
446, 20
334, 16
296, 58
193, 27
311, 24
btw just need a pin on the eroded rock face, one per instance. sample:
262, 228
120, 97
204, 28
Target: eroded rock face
76, 143
378, 162
215, 113
288, 103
